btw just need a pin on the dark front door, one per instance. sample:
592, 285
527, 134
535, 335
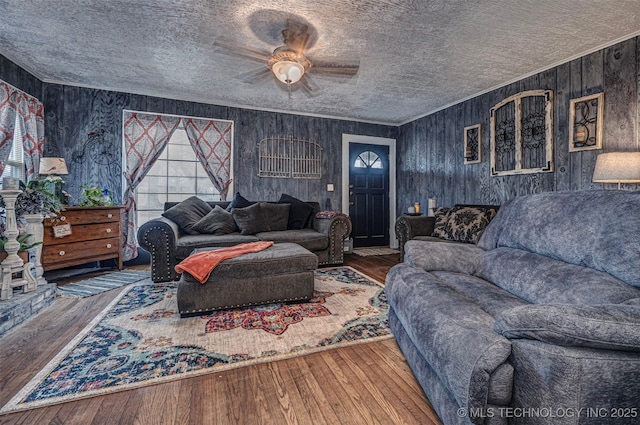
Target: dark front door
369, 194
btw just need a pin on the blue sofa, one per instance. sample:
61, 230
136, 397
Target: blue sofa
539, 323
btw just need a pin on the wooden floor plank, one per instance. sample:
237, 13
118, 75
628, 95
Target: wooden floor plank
364, 384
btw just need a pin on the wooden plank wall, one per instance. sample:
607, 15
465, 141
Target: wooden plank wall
430, 149
73, 112
20, 78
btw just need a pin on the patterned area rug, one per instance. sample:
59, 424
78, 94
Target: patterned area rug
139, 339
97, 285
375, 250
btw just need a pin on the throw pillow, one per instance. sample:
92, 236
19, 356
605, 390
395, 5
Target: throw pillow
187, 213
462, 224
441, 215
276, 215
217, 222
250, 220
299, 212
238, 201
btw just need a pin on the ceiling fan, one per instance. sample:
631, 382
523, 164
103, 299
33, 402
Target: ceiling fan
289, 63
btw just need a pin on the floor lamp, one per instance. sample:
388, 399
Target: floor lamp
617, 167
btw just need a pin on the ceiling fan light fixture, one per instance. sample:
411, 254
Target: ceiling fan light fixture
289, 72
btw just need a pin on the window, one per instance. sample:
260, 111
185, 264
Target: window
176, 175
15, 166
368, 159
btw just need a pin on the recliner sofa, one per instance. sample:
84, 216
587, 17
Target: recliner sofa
539, 323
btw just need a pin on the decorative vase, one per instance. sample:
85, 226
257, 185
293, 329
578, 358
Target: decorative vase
35, 228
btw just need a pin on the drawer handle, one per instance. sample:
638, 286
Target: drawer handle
62, 218
108, 230
108, 245
109, 215
61, 253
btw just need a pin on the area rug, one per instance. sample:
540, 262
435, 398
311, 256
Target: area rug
375, 250
100, 284
139, 339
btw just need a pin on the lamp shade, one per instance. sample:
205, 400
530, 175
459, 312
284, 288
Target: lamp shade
55, 166
617, 167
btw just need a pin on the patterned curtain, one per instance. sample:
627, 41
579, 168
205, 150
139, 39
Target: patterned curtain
31, 117
145, 137
32, 113
211, 141
9, 99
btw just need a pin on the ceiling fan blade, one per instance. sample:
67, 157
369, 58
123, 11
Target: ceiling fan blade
230, 48
256, 75
308, 86
296, 35
337, 67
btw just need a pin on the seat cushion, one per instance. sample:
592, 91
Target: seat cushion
307, 238
285, 258
187, 244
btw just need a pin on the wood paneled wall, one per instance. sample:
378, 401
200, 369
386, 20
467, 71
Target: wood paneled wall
73, 112
431, 149
18, 77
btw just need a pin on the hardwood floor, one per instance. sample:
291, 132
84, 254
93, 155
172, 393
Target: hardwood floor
363, 384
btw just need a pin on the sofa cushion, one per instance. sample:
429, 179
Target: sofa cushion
238, 201
276, 215
543, 280
250, 219
609, 327
299, 212
489, 297
187, 213
188, 243
451, 332
217, 222
454, 257
462, 223
306, 238
599, 229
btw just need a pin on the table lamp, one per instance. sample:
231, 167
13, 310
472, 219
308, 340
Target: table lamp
617, 167
53, 168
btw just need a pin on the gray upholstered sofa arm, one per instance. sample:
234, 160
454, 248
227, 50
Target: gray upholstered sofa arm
159, 236
408, 227
337, 229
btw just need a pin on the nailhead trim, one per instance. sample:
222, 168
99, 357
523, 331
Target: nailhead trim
201, 310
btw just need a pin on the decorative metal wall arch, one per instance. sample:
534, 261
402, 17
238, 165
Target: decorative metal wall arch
522, 134
288, 156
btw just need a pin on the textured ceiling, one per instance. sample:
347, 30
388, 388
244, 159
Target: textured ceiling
416, 56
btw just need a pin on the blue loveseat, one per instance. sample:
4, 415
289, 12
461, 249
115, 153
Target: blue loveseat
539, 323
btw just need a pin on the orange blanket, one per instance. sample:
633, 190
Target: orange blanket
201, 264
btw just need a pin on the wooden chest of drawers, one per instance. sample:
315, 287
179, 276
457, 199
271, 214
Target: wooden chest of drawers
95, 236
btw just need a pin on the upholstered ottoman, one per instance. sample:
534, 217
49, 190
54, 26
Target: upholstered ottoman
280, 273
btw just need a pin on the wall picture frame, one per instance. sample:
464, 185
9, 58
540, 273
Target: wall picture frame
586, 116
473, 144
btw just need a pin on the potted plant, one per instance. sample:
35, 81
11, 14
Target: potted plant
93, 196
33, 205
37, 199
